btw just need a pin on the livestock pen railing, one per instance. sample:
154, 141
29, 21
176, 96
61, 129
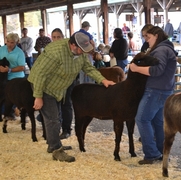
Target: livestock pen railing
178, 77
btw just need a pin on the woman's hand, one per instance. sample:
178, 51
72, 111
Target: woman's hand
133, 67
4, 69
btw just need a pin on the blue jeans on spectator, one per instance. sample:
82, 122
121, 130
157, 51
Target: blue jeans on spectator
51, 114
29, 61
67, 109
122, 64
84, 78
149, 120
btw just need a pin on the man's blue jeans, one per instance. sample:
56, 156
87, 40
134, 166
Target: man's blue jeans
149, 120
29, 61
51, 114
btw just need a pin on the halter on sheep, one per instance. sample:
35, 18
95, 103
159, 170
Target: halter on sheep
118, 102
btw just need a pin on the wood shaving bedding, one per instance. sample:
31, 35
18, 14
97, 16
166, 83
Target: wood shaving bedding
22, 159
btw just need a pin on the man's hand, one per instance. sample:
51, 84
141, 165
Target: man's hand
38, 103
106, 82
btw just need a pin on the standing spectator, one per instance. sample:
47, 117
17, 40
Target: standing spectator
14, 55
52, 73
179, 31
16, 59
84, 29
119, 49
169, 30
41, 41
125, 30
131, 44
144, 30
160, 84
27, 47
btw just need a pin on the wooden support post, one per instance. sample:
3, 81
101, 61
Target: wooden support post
70, 17
104, 9
22, 20
4, 22
147, 7
44, 20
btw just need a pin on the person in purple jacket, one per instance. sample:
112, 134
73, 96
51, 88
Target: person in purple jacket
160, 84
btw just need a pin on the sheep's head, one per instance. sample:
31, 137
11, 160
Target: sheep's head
4, 62
144, 60
97, 56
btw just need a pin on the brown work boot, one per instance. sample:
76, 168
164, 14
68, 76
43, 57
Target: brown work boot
60, 155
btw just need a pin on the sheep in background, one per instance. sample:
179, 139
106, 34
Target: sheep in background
115, 73
3, 79
18, 92
172, 125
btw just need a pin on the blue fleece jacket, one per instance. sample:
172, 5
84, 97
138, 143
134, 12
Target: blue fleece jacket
162, 75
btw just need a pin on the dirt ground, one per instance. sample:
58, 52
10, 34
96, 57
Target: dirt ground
22, 159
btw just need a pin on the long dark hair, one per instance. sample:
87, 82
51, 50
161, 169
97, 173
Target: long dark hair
162, 36
118, 33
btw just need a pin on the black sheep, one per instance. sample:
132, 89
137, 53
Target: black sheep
118, 102
172, 125
18, 92
3, 79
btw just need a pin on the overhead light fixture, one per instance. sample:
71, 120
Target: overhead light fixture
177, 8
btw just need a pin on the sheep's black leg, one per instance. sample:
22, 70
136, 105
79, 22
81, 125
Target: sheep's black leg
169, 138
7, 110
80, 129
86, 122
23, 119
1, 105
130, 127
118, 129
33, 125
5, 125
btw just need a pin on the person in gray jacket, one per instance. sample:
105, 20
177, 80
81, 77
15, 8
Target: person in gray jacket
169, 30
27, 47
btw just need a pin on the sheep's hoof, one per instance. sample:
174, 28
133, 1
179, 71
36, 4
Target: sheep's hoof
34, 139
5, 131
165, 173
117, 158
133, 155
23, 127
82, 150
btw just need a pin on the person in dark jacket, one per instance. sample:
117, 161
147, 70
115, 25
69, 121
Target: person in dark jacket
119, 49
160, 85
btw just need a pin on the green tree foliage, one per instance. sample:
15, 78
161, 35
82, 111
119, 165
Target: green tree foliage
1, 26
12, 22
33, 19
